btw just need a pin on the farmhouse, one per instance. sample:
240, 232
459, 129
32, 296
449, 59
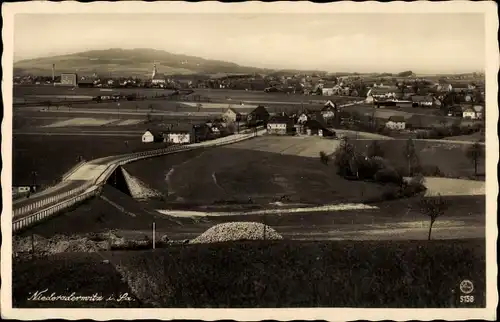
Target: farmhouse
382, 92
258, 115
396, 122
315, 127
327, 91
422, 101
181, 134
280, 124
231, 116
469, 113
151, 136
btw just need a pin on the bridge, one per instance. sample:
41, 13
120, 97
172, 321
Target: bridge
87, 179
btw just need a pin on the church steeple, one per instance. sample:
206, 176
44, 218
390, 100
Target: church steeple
154, 71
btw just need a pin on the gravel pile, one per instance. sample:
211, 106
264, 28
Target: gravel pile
237, 231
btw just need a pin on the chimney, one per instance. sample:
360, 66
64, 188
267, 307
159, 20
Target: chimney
53, 73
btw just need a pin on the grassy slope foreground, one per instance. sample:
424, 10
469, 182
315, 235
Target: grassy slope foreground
272, 274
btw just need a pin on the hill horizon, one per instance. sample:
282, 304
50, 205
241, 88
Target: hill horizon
139, 61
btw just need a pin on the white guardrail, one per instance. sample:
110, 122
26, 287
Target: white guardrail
69, 198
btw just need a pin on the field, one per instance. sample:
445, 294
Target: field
263, 169
450, 158
427, 116
268, 274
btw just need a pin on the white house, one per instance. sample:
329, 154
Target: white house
231, 115
396, 122
327, 91
180, 135
280, 124
381, 93
469, 113
150, 137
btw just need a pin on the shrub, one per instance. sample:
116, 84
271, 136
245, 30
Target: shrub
368, 167
415, 186
388, 175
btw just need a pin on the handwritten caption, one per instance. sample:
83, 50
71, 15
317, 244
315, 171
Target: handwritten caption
45, 296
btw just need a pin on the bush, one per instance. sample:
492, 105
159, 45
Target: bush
388, 175
368, 167
415, 186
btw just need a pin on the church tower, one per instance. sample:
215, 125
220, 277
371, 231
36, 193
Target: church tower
154, 71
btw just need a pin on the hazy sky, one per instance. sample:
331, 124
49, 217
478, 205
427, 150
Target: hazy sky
453, 42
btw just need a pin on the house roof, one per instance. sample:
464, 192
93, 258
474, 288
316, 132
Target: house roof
478, 108
314, 124
260, 110
467, 109
396, 118
154, 132
181, 128
382, 90
233, 110
279, 119
459, 85
86, 81
329, 104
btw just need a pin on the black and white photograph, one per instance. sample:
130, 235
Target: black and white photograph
254, 160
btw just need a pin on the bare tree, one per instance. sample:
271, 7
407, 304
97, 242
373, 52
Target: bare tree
475, 152
434, 207
411, 156
323, 157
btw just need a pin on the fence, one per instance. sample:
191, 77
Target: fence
24, 222
71, 199
73, 170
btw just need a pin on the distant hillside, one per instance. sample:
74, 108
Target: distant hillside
121, 62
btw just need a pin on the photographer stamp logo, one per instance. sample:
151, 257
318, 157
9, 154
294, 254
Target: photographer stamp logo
466, 287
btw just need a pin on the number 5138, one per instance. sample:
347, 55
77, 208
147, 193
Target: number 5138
467, 299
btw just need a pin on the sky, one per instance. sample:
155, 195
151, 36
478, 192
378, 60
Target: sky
423, 43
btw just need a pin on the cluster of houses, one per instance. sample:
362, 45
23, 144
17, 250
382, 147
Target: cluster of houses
304, 123
185, 133
432, 96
